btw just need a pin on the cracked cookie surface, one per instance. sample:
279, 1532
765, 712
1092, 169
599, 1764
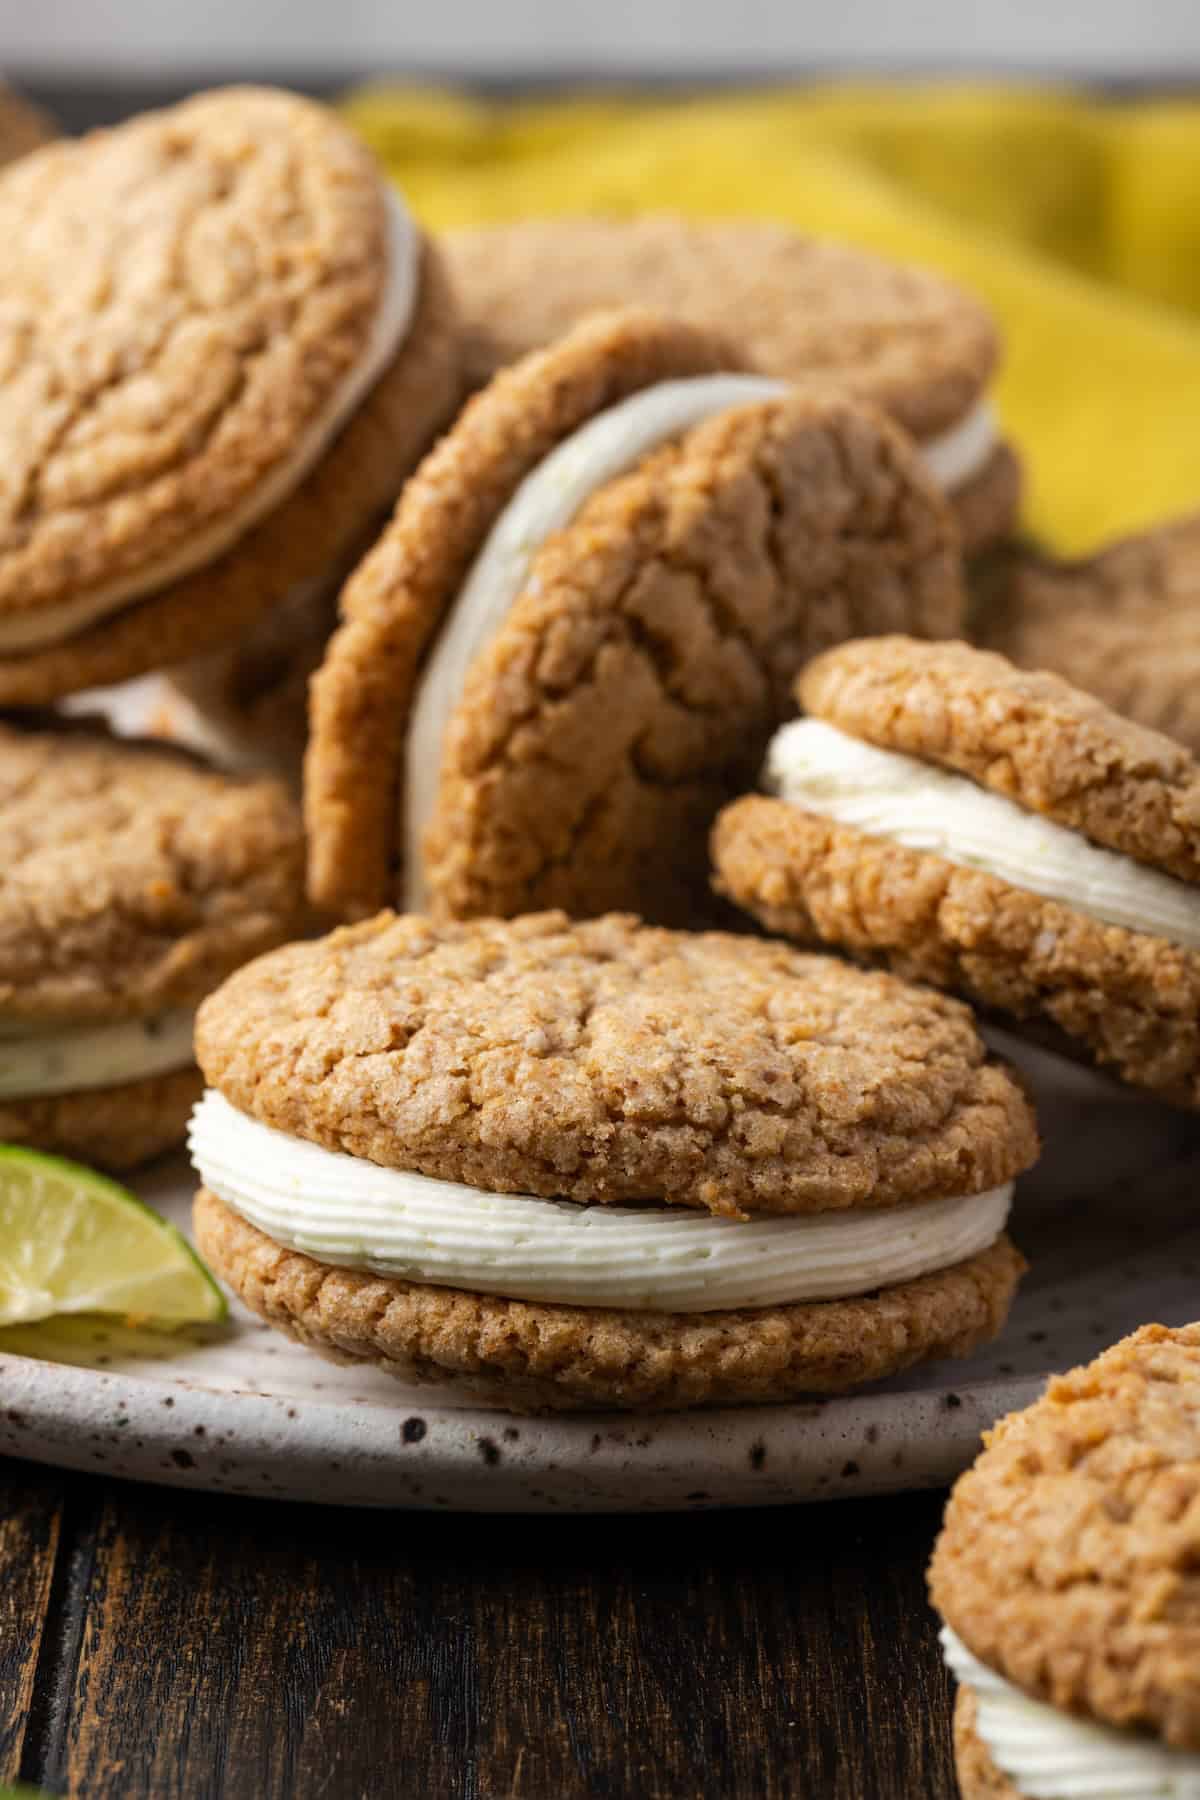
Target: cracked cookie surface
635, 681
394, 603
1068, 1561
610, 1061
541, 1358
1123, 625
635, 684
903, 338
206, 318
192, 288
1030, 736
134, 877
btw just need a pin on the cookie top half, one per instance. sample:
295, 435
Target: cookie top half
903, 338
133, 877
1029, 736
223, 343
190, 289
544, 698
610, 1061
1069, 1561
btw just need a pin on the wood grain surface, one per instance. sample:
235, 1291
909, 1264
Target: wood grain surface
160, 1644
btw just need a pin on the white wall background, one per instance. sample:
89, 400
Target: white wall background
1122, 37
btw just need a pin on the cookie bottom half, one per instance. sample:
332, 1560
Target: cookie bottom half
113, 1128
544, 1358
978, 1776
987, 506
1129, 1001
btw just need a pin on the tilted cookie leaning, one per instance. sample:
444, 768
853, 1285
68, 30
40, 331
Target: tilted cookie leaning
135, 880
902, 338
575, 637
1123, 624
570, 1166
994, 832
225, 344
1067, 1576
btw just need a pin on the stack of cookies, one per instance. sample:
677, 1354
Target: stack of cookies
512, 558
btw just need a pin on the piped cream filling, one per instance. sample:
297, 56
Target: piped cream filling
962, 453
1051, 1755
346, 1211
36, 1061
546, 502
48, 625
899, 798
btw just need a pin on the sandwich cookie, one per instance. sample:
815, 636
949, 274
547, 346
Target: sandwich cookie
902, 338
576, 635
135, 879
224, 345
1123, 624
1068, 1576
602, 1165
991, 831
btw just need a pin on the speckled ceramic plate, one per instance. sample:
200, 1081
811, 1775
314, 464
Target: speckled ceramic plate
1109, 1221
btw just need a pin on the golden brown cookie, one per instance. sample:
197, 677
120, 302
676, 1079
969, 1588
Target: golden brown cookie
23, 127
491, 1091
1123, 624
135, 880
1067, 1572
632, 679
900, 338
609, 1060
232, 349
1089, 922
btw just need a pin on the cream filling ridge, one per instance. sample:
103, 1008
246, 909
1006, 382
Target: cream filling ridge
354, 1214
546, 502
49, 625
1051, 1755
888, 795
37, 1059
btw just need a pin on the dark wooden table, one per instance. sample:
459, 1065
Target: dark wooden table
155, 1643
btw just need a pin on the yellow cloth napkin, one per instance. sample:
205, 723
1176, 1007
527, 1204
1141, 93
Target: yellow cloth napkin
1077, 219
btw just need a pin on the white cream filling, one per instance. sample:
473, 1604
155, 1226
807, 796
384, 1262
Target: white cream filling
49, 625
961, 453
903, 800
36, 1060
546, 502
1051, 1755
346, 1211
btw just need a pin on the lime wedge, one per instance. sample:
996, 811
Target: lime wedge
72, 1241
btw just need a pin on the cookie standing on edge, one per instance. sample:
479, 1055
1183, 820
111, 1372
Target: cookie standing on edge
786, 1175
1068, 1576
904, 339
227, 344
135, 879
990, 831
1123, 624
576, 635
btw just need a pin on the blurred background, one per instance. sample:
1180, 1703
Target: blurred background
329, 39
1044, 153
